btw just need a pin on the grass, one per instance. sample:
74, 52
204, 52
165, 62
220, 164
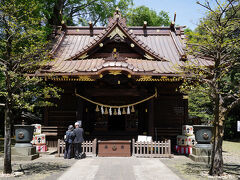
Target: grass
2, 145
190, 170
231, 147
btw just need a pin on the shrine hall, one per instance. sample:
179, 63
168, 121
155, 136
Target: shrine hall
118, 81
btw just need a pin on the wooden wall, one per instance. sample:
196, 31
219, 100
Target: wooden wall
164, 117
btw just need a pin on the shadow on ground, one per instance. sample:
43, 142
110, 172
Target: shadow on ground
232, 169
196, 169
202, 169
41, 168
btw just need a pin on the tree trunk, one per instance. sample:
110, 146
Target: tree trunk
56, 18
7, 141
216, 168
217, 158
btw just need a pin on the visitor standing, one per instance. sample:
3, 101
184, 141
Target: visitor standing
68, 142
78, 139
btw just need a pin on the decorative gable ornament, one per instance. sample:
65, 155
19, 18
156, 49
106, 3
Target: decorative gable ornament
115, 32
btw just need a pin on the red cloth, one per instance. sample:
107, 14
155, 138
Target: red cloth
41, 148
183, 149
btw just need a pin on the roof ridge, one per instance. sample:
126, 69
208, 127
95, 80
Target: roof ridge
176, 43
114, 21
59, 41
140, 42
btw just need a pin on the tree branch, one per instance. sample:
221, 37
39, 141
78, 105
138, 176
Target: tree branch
231, 106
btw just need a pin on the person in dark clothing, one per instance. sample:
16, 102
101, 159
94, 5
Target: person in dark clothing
78, 139
68, 142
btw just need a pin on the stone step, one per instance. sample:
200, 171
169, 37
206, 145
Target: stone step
205, 159
24, 158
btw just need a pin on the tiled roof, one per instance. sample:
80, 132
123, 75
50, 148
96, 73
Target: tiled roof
135, 66
162, 43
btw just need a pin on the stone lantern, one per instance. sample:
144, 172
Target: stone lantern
24, 150
24, 135
202, 151
203, 135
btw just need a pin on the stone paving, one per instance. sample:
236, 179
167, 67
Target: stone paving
114, 168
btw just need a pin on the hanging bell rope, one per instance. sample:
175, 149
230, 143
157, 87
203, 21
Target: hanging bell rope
116, 107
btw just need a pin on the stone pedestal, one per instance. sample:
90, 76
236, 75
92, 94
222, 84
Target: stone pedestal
24, 153
201, 154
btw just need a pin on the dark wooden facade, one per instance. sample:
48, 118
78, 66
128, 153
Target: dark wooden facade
117, 65
160, 117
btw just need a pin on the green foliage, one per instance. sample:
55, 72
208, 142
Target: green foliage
75, 12
214, 51
23, 49
213, 40
231, 124
138, 15
205, 41
200, 105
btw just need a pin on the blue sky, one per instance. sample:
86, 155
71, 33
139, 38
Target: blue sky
188, 12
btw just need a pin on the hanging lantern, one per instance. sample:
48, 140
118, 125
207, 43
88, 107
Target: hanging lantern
128, 110
132, 110
102, 110
146, 110
124, 111
115, 112
106, 111
119, 111
110, 111
97, 109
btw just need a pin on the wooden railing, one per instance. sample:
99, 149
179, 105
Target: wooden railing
151, 149
88, 147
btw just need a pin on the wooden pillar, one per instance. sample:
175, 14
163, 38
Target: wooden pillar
185, 105
46, 116
151, 118
79, 109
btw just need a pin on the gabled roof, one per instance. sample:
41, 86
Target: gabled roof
118, 26
163, 49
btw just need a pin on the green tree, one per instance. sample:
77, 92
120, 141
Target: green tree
23, 48
218, 42
75, 12
200, 105
138, 15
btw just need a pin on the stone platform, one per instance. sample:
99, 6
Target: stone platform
24, 153
201, 154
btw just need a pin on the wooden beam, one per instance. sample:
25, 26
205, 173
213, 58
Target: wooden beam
151, 118
145, 28
144, 24
90, 25
91, 28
